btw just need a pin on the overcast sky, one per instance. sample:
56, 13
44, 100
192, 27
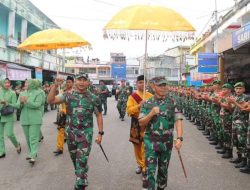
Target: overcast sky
88, 17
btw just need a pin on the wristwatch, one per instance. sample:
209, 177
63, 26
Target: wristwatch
180, 138
101, 132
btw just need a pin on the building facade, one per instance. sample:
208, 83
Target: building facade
18, 20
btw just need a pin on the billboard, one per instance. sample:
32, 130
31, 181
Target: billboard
118, 71
241, 37
208, 62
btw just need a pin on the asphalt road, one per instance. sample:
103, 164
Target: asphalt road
205, 169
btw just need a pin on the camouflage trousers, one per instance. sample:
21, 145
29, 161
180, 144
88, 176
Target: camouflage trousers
104, 104
239, 135
227, 131
248, 142
121, 106
157, 154
79, 147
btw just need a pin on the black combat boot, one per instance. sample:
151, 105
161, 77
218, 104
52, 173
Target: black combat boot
236, 160
242, 164
246, 169
206, 133
215, 142
219, 146
222, 151
228, 154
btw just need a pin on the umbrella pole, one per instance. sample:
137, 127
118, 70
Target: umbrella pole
145, 64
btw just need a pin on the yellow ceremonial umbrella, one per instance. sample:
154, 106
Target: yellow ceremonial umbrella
53, 39
149, 19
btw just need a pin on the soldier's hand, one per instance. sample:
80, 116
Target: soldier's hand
98, 139
178, 144
58, 81
155, 110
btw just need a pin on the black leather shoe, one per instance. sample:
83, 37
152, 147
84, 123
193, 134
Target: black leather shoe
228, 154
218, 146
206, 133
3, 155
122, 119
28, 158
213, 143
223, 151
246, 169
41, 139
58, 152
242, 164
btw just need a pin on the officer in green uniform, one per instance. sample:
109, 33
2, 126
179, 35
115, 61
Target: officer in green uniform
103, 95
123, 93
240, 124
158, 116
80, 106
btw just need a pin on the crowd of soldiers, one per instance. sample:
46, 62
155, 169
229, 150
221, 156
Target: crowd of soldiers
222, 113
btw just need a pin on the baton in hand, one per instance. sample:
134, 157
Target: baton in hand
104, 153
183, 168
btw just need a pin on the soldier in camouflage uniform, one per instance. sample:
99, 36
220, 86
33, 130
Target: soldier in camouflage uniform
92, 88
240, 124
80, 105
123, 93
226, 121
103, 95
246, 169
158, 116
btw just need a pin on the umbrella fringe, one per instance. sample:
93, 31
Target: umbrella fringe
164, 36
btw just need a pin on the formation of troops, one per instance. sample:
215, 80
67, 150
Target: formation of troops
222, 113
156, 109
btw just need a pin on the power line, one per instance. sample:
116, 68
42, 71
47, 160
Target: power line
107, 3
80, 18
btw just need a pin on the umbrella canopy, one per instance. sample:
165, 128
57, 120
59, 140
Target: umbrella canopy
146, 17
53, 39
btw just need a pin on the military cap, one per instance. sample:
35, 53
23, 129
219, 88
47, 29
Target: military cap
239, 84
70, 78
227, 85
216, 82
140, 77
82, 75
18, 82
159, 80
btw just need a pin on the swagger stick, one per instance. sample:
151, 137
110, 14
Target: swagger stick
183, 168
104, 153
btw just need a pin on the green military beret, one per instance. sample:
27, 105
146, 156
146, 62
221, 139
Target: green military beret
227, 85
216, 82
159, 80
82, 75
239, 84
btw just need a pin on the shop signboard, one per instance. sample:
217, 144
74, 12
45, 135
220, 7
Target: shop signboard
241, 37
16, 74
118, 71
39, 74
208, 62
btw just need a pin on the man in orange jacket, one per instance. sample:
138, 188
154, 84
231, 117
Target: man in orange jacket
134, 104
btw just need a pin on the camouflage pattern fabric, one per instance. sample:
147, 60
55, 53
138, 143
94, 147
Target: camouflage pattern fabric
239, 126
103, 97
122, 100
226, 121
79, 130
158, 140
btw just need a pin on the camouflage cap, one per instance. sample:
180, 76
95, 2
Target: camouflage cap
82, 75
216, 82
159, 80
18, 82
239, 84
227, 85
